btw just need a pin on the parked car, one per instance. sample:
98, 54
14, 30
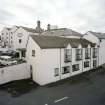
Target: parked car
7, 60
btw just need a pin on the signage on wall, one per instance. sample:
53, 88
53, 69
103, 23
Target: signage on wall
20, 35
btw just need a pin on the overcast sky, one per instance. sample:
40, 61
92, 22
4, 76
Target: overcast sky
80, 15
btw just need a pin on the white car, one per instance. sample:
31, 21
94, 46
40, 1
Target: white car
7, 60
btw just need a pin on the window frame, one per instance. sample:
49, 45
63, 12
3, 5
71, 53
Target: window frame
67, 55
95, 52
94, 61
87, 53
33, 53
85, 65
78, 54
20, 41
64, 70
76, 69
56, 72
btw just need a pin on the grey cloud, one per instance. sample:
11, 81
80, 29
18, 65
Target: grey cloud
81, 15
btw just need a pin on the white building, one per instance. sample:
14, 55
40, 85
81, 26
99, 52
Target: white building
99, 39
17, 37
4, 37
12, 32
52, 58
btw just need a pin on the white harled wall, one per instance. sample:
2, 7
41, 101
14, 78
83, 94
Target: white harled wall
16, 38
102, 52
46, 60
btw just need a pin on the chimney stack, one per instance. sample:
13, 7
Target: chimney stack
38, 24
48, 27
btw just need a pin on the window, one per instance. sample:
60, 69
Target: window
87, 53
56, 70
94, 52
23, 53
11, 41
78, 54
67, 56
33, 53
19, 34
94, 63
65, 69
20, 41
11, 37
75, 67
86, 64
100, 40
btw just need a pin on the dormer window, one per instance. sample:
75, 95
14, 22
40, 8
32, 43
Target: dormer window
87, 53
67, 55
94, 52
78, 54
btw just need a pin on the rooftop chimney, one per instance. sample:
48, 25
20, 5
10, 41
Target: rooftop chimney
48, 27
38, 24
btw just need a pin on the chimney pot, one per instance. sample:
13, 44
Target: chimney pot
38, 23
48, 27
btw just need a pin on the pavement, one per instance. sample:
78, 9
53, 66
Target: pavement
85, 89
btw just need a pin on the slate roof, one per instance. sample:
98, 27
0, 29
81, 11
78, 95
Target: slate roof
8, 28
29, 29
62, 32
98, 34
59, 42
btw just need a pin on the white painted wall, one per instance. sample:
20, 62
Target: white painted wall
14, 72
16, 38
5, 33
102, 52
46, 60
34, 61
12, 31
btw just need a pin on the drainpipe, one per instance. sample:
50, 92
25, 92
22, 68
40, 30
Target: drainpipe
98, 56
60, 65
98, 52
82, 59
90, 58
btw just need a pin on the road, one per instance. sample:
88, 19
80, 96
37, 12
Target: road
87, 89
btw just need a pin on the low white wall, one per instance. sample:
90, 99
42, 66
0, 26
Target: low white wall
14, 72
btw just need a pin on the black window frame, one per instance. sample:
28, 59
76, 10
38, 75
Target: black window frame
65, 69
67, 55
86, 64
94, 63
78, 54
95, 52
33, 53
75, 68
87, 53
20, 40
